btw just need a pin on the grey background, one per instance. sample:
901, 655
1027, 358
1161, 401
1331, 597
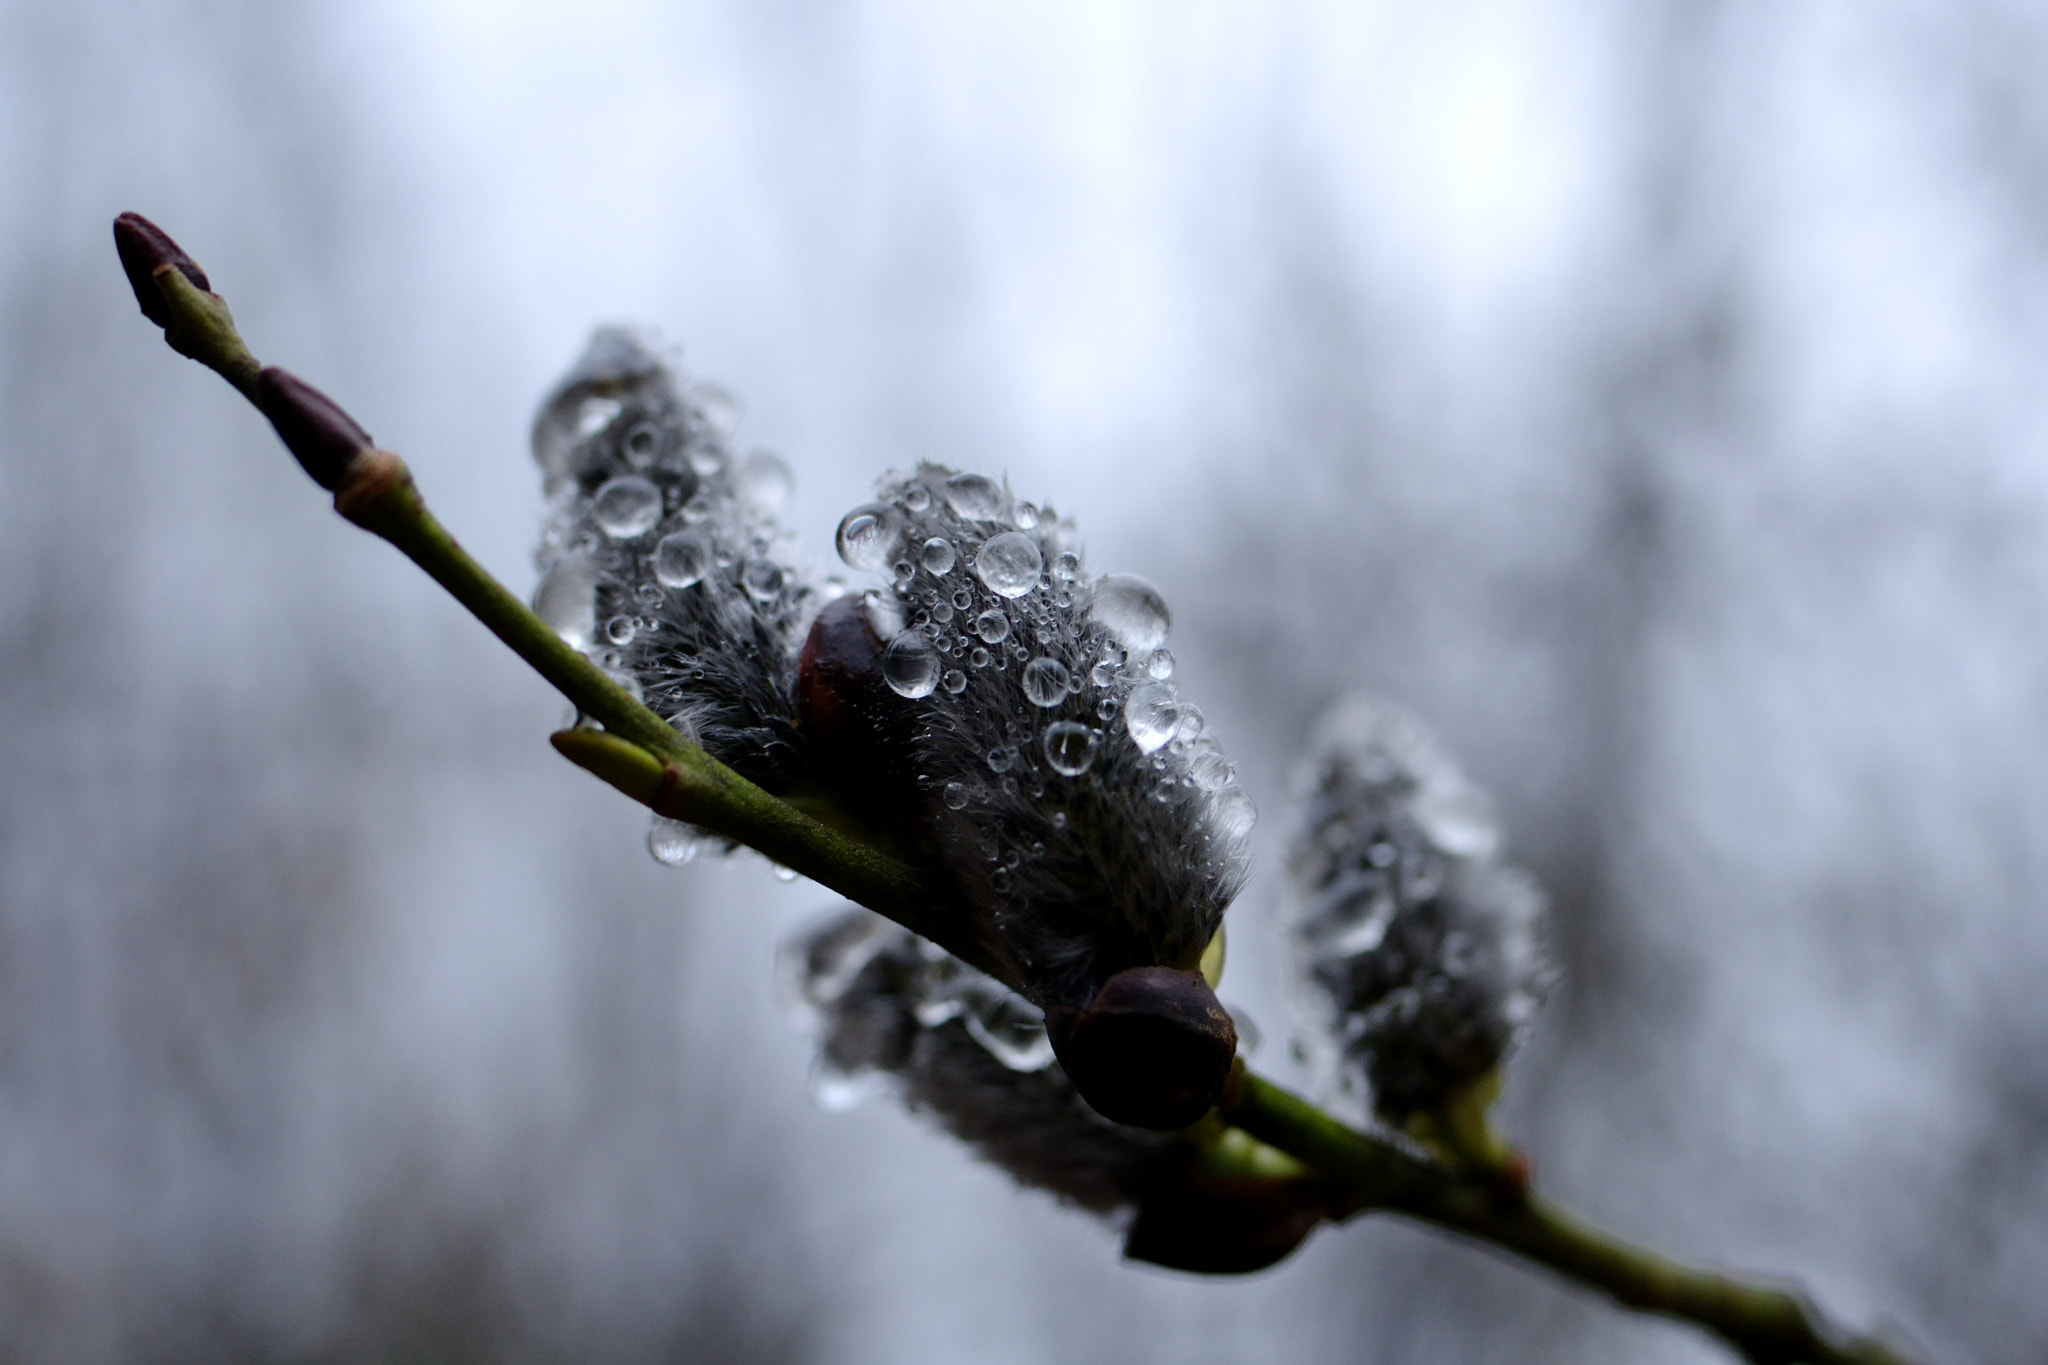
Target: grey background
1649, 395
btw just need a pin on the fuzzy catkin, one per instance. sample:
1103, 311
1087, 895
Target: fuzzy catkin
971, 1055
1088, 820
1428, 950
662, 559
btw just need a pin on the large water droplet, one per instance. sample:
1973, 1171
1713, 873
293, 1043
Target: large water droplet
567, 600
916, 497
911, 665
938, 556
1235, 813
867, 536
1011, 1030
681, 559
955, 796
1009, 564
1150, 714
762, 578
627, 506
992, 626
1045, 681
1210, 771
1160, 666
1069, 747
955, 681
765, 481
1132, 610
975, 497
672, 842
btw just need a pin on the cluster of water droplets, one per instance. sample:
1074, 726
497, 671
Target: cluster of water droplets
662, 558
1049, 693
1427, 949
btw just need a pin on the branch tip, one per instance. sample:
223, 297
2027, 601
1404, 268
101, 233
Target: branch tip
145, 249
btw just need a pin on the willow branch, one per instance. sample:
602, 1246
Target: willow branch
644, 757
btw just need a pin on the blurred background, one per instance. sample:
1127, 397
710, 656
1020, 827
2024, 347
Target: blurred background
1650, 396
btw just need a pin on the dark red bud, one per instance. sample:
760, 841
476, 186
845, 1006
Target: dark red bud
1228, 1227
1152, 1049
322, 437
145, 248
857, 729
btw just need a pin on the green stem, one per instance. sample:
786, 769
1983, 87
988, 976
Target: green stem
644, 757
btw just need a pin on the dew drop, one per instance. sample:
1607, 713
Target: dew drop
672, 842
1151, 715
762, 578
1235, 813
999, 760
566, 600
917, 497
681, 559
992, 626
1066, 568
867, 537
1210, 771
643, 443
1160, 666
765, 481
911, 665
620, 630
1132, 610
782, 874
954, 682
1069, 747
1108, 707
706, 458
980, 658
938, 556
1045, 681
955, 796
1103, 674
1025, 517
975, 497
1010, 564
595, 415
627, 506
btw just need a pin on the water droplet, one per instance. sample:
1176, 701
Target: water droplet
782, 874
955, 796
1045, 681
762, 578
627, 506
999, 760
1382, 854
1066, 568
1235, 813
621, 629
595, 415
938, 556
836, 1091
681, 559
643, 443
867, 537
942, 612
567, 600
975, 497
911, 665
672, 842
980, 658
765, 481
1025, 517
707, 458
1210, 771
917, 497
1010, 1030
1151, 714
1108, 707
1069, 747
1132, 610
999, 880
1160, 665
1189, 728
992, 626
955, 681
1458, 818
1009, 564
1103, 674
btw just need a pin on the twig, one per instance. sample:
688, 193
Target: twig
641, 755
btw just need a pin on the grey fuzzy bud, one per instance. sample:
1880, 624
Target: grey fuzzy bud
971, 1055
662, 557
1089, 823
1428, 949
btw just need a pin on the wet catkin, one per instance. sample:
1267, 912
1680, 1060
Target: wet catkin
1427, 950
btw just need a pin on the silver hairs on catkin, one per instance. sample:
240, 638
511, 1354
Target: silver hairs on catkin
1089, 820
1428, 950
662, 557
969, 1053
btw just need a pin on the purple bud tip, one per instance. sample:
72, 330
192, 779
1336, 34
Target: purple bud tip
145, 248
322, 437
1152, 1049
